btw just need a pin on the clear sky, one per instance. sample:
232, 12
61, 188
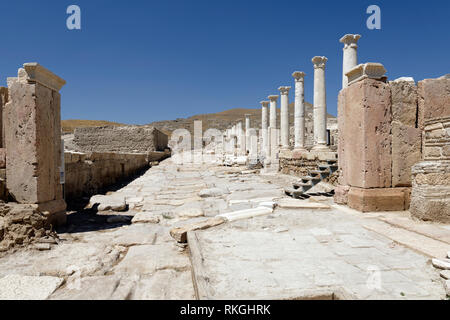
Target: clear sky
141, 61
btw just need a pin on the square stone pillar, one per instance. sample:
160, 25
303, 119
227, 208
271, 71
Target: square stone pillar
365, 143
3, 101
32, 120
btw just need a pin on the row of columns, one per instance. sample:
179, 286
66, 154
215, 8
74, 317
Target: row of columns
350, 60
269, 108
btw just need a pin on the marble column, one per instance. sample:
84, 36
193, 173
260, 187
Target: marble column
247, 132
241, 138
264, 127
350, 59
273, 111
320, 104
284, 117
299, 114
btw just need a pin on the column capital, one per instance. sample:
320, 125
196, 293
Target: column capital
247, 115
367, 70
299, 75
350, 40
284, 90
264, 103
33, 72
319, 62
272, 98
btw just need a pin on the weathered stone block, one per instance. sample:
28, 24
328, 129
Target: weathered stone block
380, 199
341, 194
367, 135
406, 152
433, 99
404, 102
430, 197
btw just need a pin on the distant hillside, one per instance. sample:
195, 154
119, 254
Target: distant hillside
68, 126
224, 119
220, 120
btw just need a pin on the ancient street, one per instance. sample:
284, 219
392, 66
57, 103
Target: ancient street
303, 249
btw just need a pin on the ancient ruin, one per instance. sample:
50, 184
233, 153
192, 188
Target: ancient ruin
248, 211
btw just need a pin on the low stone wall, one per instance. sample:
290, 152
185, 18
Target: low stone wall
299, 164
87, 174
119, 139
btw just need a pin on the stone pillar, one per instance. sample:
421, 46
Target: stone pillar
33, 141
247, 133
273, 111
299, 114
350, 59
284, 117
366, 143
264, 127
320, 105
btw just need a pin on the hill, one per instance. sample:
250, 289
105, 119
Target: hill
68, 126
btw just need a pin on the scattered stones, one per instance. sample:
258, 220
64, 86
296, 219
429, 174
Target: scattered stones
245, 214
297, 204
190, 210
145, 217
180, 233
440, 264
268, 204
17, 287
213, 192
445, 274
105, 203
447, 287
42, 246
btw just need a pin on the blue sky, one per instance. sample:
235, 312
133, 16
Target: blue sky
142, 61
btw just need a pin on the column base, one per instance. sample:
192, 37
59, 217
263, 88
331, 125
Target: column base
298, 152
378, 199
321, 148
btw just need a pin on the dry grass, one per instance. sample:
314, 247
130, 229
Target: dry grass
68, 126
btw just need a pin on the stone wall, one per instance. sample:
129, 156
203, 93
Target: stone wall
300, 163
430, 197
119, 139
89, 173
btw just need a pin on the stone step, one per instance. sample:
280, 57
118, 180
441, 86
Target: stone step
309, 178
295, 193
319, 172
330, 167
302, 184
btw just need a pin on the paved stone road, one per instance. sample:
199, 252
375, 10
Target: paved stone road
290, 253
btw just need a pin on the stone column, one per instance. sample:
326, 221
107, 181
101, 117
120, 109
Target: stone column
350, 55
33, 141
247, 133
284, 117
264, 127
320, 105
299, 115
273, 111
241, 138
